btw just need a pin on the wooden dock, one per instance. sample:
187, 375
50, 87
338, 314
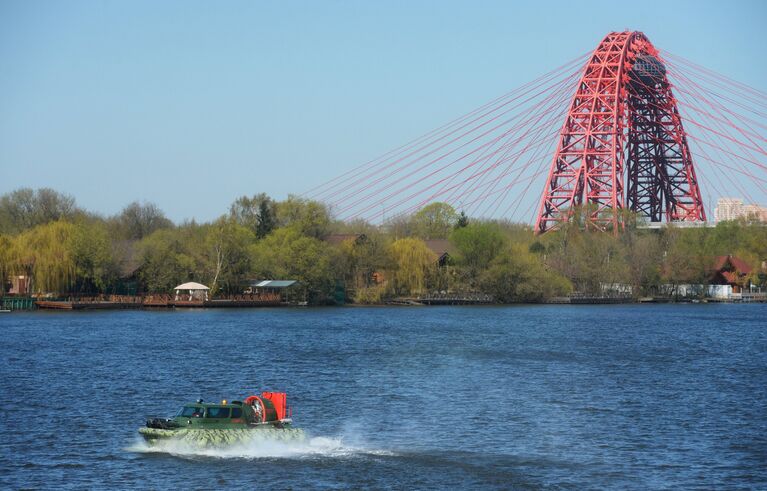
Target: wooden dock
124, 302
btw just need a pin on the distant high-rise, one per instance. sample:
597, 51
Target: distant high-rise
733, 208
728, 209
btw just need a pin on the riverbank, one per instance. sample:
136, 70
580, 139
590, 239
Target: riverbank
11, 304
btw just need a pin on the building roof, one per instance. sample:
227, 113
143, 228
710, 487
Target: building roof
440, 246
739, 264
191, 286
272, 283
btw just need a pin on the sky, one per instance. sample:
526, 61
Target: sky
190, 104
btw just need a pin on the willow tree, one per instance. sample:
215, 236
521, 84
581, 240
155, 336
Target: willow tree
6, 249
44, 253
414, 261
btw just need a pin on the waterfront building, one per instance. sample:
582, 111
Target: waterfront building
730, 270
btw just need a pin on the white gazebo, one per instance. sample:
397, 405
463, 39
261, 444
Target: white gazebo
196, 291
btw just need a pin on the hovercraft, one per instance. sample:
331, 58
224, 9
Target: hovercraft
204, 424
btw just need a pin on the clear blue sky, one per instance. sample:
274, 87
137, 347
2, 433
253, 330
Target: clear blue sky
190, 104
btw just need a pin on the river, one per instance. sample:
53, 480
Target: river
519, 397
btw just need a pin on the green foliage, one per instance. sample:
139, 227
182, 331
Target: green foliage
6, 258
478, 244
310, 218
96, 267
462, 221
257, 213
518, 276
434, 221
359, 259
370, 295
225, 255
287, 254
684, 261
25, 208
589, 259
139, 220
66, 250
167, 258
45, 253
413, 262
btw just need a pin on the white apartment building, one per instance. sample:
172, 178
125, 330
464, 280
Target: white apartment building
733, 208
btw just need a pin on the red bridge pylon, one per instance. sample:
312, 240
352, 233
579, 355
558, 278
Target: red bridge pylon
622, 145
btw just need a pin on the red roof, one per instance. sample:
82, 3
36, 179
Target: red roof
721, 261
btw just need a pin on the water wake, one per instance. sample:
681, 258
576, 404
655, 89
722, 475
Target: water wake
317, 447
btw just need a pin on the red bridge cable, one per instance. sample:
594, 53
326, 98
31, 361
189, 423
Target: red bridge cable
443, 167
559, 103
542, 161
715, 84
692, 66
698, 92
418, 206
440, 157
556, 103
417, 192
726, 148
365, 179
525, 89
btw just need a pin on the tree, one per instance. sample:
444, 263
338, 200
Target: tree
166, 259
226, 253
6, 257
256, 213
138, 220
516, 275
684, 261
266, 218
359, 259
591, 260
462, 221
26, 208
45, 254
96, 267
413, 262
434, 221
286, 254
643, 259
307, 217
478, 244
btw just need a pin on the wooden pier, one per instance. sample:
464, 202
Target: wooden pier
123, 302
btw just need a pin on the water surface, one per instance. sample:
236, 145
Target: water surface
527, 397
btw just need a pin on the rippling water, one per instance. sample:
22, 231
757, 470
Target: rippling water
525, 397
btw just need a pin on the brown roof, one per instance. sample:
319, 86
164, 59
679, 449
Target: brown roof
440, 246
721, 261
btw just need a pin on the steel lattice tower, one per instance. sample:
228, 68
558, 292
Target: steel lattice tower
622, 126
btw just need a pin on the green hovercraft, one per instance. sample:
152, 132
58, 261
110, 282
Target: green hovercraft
264, 417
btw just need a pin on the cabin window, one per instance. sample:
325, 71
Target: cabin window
236, 412
217, 412
191, 412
